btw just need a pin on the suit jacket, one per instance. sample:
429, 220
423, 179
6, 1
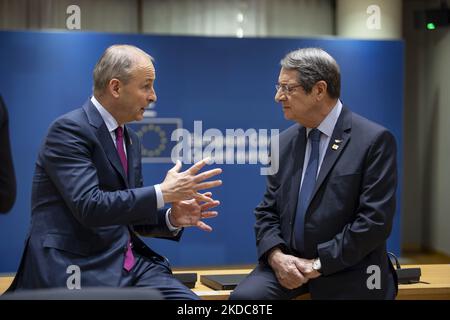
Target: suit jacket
350, 213
7, 175
84, 207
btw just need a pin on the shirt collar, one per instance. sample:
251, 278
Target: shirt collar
107, 117
327, 125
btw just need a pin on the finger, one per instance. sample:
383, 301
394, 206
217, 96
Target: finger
209, 214
300, 277
287, 284
207, 174
208, 185
176, 167
296, 274
291, 286
206, 194
203, 226
300, 266
198, 166
284, 282
209, 205
202, 198
297, 280
284, 285
303, 279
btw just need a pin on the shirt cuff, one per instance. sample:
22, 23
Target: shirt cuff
159, 197
169, 225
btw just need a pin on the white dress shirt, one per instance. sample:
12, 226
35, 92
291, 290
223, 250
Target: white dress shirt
326, 128
112, 125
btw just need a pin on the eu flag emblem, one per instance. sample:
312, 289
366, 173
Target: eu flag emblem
155, 136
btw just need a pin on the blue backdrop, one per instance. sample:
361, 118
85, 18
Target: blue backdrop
225, 82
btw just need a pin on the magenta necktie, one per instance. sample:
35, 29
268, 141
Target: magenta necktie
121, 150
129, 258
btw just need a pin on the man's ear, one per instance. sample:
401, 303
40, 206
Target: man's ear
320, 89
114, 87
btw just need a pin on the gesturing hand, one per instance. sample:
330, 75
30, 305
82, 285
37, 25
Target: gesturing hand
190, 212
179, 186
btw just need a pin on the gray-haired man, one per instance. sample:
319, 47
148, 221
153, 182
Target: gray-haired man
326, 215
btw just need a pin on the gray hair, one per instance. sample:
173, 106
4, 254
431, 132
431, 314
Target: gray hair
313, 65
118, 61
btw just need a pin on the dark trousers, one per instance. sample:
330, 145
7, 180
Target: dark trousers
262, 284
155, 273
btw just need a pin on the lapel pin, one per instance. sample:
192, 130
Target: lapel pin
337, 140
334, 146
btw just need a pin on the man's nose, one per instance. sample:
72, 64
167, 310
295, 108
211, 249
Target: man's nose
279, 96
152, 97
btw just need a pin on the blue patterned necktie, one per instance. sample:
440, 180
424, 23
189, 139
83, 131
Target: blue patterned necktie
309, 181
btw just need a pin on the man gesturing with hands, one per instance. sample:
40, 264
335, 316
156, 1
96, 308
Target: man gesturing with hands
89, 203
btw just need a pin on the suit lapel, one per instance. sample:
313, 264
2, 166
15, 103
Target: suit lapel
111, 152
340, 138
103, 135
299, 147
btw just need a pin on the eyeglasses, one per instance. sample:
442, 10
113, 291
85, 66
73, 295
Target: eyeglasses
287, 89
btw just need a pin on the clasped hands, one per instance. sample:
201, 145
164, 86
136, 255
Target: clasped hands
291, 271
181, 189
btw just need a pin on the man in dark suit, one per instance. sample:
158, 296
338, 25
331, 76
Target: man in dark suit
7, 176
88, 200
326, 214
